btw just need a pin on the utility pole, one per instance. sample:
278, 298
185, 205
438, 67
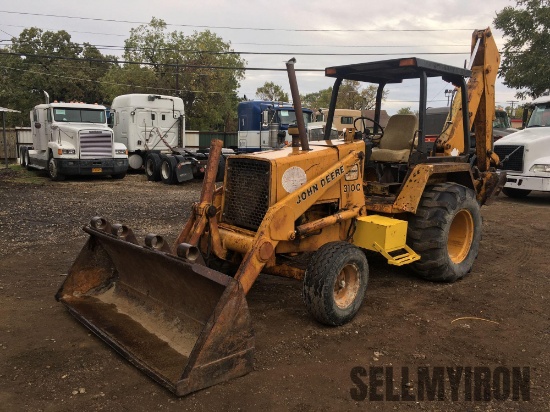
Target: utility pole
512, 103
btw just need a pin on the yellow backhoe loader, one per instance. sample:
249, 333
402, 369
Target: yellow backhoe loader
171, 311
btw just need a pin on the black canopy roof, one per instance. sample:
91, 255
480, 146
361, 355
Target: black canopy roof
396, 70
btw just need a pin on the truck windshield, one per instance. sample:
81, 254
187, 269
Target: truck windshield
502, 121
540, 116
64, 114
289, 117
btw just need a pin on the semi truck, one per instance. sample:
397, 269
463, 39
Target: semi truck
73, 139
263, 125
525, 155
152, 126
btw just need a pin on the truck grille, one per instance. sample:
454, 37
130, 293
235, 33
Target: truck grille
246, 192
515, 161
96, 144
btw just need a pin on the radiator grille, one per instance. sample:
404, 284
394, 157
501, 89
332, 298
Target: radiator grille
246, 192
96, 144
515, 161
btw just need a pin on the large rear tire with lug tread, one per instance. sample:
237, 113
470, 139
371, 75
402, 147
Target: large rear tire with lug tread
152, 167
515, 193
335, 283
445, 232
221, 169
53, 170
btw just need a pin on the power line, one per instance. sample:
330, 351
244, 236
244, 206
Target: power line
234, 28
232, 52
106, 82
194, 66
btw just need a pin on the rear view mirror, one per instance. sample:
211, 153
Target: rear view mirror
37, 125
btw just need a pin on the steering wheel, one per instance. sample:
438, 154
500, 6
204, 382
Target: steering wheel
375, 138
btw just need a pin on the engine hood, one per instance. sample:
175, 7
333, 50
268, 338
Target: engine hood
530, 135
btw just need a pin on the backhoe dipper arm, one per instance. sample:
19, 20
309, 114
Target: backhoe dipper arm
485, 61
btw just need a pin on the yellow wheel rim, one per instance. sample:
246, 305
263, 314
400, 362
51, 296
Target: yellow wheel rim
346, 286
461, 235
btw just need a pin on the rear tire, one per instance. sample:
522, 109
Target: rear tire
53, 170
168, 170
515, 193
445, 232
335, 283
152, 167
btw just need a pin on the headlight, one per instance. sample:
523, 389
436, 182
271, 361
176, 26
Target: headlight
65, 151
121, 151
540, 168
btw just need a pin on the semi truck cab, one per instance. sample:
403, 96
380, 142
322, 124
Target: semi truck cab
74, 139
525, 155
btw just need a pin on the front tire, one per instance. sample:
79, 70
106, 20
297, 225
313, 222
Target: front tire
53, 170
335, 283
445, 232
515, 193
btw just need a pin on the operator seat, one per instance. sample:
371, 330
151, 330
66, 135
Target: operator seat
395, 145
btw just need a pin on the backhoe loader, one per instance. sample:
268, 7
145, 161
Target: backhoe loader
308, 212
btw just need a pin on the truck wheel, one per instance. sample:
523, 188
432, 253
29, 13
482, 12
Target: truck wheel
152, 167
53, 170
168, 170
515, 193
335, 283
445, 232
27, 159
23, 157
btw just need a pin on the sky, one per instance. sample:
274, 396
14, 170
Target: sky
337, 32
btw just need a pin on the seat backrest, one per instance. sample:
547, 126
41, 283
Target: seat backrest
399, 132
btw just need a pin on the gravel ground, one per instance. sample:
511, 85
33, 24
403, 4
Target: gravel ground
49, 362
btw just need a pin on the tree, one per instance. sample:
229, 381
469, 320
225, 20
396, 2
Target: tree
271, 92
405, 110
350, 96
38, 61
317, 100
200, 68
526, 54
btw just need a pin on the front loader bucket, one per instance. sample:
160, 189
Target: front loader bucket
183, 324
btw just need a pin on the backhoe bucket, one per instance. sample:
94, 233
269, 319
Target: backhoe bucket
186, 326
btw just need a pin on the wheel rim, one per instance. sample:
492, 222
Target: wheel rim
165, 170
461, 235
346, 286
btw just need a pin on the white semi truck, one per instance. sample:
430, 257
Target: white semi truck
525, 155
73, 139
152, 126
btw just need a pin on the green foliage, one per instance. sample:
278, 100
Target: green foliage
526, 54
271, 92
209, 94
350, 96
25, 76
405, 110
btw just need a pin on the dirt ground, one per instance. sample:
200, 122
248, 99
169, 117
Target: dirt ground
50, 362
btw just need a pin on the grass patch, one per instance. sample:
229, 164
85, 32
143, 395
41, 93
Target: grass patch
17, 174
